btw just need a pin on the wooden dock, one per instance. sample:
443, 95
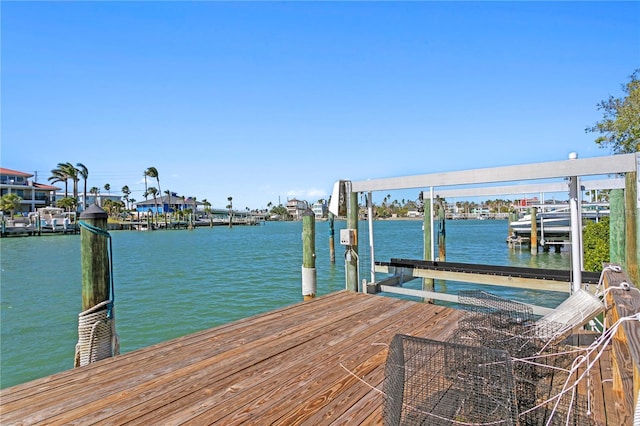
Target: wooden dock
315, 362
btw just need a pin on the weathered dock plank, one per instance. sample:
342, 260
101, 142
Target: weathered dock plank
316, 362
294, 365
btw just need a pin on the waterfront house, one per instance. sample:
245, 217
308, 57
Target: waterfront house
167, 204
320, 209
33, 194
295, 208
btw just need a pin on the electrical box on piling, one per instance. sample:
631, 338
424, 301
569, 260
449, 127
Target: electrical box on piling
348, 237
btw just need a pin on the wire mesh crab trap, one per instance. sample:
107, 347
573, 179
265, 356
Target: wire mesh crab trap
541, 363
436, 383
502, 366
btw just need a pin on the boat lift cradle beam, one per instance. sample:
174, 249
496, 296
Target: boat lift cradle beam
486, 191
571, 168
614, 164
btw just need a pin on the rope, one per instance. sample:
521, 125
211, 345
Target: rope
596, 349
97, 338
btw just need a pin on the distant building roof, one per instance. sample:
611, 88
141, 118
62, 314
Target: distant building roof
4, 171
45, 187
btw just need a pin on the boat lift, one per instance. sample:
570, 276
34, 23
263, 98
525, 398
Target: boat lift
566, 173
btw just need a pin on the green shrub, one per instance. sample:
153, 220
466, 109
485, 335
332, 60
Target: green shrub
595, 240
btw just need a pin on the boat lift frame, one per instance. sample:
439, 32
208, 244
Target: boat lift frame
479, 182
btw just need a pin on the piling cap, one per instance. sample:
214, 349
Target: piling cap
94, 211
308, 212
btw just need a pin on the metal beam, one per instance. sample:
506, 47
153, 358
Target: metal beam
525, 189
504, 281
550, 170
537, 310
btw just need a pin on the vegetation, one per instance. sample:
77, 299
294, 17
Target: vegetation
9, 202
278, 210
152, 172
125, 194
620, 126
620, 132
62, 173
68, 203
595, 241
83, 172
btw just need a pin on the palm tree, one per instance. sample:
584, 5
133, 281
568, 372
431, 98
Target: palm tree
153, 191
95, 191
9, 202
84, 174
107, 187
207, 207
126, 191
146, 190
72, 173
67, 203
153, 173
59, 175
132, 201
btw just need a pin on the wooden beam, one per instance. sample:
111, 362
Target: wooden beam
625, 354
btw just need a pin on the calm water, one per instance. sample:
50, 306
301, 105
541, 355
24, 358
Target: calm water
171, 283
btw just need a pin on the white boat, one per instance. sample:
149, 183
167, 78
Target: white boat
53, 218
556, 220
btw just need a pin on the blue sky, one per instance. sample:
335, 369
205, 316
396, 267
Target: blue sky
265, 101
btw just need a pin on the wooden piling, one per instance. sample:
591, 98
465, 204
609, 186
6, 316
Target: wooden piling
94, 258
352, 253
512, 217
632, 231
534, 231
308, 254
332, 232
442, 235
427, 283
617, 227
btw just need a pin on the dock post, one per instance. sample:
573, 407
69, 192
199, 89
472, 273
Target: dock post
576, 234
632, 228
332, 233
308, 254
94, 258
351, 256
534, 231
427, 283
442, 235
617, 227
96, 323
512, 217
